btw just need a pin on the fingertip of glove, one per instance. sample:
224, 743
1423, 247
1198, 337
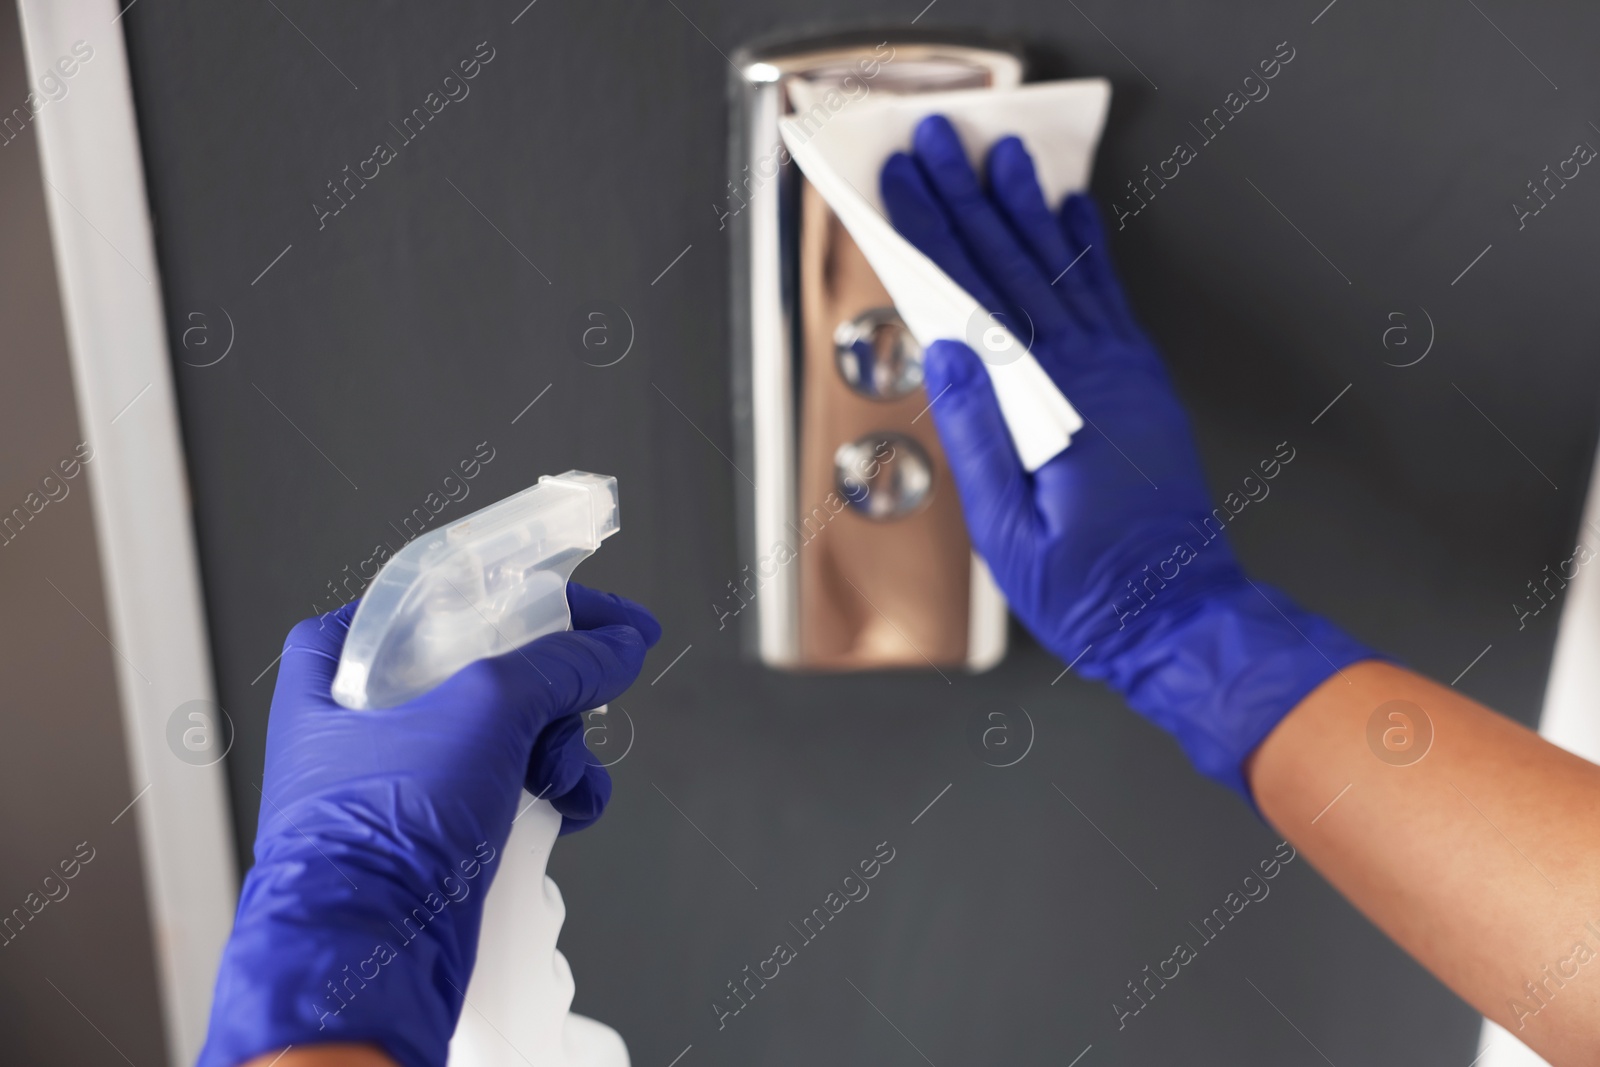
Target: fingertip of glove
608, 646
940, 149
559, 755
1009, 159
898, 167
905, 192
648, 625
949, 365
934, 135
325, 632
1083, 216
576, 662
625, 643
592, 608
582, 805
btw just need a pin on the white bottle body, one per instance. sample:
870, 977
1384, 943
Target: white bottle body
518, 1002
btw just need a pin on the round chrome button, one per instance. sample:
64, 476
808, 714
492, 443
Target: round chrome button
877, 356
883, 476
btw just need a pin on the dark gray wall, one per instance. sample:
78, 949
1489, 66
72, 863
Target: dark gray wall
416, 324
84, 961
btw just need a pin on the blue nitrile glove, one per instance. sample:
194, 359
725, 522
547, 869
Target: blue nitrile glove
1112, 553
380, 831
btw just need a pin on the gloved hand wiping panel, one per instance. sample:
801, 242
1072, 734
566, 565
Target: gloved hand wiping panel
841, 154
1109, 552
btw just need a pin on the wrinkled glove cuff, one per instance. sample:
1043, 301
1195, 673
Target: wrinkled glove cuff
1221, 678
306, 967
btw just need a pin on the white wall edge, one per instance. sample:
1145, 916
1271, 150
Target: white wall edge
122, 372
1569, 718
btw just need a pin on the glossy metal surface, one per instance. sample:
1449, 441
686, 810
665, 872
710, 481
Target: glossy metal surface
883, 476
878, 357
829, 395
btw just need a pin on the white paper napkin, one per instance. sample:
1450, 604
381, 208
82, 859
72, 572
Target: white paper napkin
842, 155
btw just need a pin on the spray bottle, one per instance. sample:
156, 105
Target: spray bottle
482, 586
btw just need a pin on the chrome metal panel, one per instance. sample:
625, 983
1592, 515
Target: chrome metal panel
855, 551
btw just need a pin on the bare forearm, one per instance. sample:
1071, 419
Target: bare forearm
1479, 857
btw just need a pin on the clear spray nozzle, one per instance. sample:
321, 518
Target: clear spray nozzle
483, 585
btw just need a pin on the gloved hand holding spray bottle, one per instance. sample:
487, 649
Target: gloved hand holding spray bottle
454, 686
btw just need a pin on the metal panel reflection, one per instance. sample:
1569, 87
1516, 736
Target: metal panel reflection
855, 552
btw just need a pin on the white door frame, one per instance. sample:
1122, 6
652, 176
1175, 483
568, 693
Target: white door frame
1568, 719
122, 374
